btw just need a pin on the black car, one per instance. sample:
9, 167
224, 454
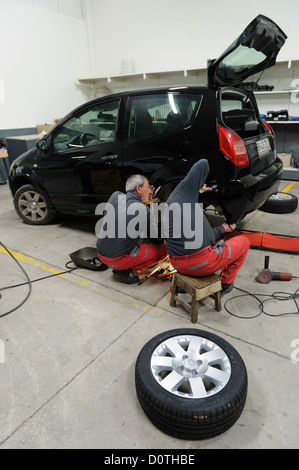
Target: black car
161, 133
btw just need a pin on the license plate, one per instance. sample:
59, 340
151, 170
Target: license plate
263, 147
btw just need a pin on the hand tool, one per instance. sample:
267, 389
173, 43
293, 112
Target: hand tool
265, 276
145, 278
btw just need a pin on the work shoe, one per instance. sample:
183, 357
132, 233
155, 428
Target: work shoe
226, 288
126, 276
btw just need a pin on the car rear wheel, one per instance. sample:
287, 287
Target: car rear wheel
32, 205
191, 384
164, 191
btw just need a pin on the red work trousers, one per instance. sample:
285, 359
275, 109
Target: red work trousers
149, 254
227, 258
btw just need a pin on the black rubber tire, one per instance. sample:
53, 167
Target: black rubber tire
165, 191
280, 203
42, 215
191, 418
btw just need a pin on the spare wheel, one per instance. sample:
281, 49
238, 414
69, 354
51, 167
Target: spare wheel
190, 383
280, 203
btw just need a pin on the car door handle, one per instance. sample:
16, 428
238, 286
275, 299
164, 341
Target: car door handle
109, 158
79, 157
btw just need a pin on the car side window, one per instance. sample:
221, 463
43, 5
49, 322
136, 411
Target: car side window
159, 114
93, 126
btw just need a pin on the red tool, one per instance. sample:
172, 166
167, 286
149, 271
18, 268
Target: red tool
265, 276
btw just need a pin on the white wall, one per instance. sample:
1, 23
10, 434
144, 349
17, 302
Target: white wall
162, 35
47, 45
43, 52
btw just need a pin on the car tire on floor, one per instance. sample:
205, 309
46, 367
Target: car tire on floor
190, 383
280, 203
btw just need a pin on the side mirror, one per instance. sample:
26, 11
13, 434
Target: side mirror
42, 144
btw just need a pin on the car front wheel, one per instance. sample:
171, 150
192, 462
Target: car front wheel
32, 205
190, 383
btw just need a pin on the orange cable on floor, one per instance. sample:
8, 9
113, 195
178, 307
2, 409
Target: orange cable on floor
269, 241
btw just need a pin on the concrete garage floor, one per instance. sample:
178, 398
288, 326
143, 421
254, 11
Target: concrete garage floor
68, 353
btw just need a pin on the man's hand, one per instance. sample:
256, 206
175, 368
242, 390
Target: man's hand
205, 188
150, 195
228, 227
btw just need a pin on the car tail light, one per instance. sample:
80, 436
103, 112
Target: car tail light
233, 146
269, 128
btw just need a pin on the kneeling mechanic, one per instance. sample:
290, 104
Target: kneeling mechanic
119, 242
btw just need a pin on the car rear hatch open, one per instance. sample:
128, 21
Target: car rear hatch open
246, 140
255, 50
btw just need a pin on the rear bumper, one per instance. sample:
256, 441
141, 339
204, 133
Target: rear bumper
248, 193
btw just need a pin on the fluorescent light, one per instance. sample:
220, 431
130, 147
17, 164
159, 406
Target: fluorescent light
172, 103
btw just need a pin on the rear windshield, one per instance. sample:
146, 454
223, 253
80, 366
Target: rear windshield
240, 60
160, 114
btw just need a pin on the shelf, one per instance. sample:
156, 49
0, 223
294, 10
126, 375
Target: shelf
283, 122
143, 76
275, 92
183, 73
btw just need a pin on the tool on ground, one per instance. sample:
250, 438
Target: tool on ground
265, 276
163, 270
145, 278
167, 272
88, 258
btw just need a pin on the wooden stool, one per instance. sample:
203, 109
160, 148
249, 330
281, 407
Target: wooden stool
198, 288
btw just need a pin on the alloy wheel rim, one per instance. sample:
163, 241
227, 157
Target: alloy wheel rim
191, 366
33, 206
280, 196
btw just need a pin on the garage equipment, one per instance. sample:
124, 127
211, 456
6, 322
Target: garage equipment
145, 278
265, 276
268, 241
162, 270
282, 115
88, 258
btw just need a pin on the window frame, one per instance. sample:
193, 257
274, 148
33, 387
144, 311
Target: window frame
97, 107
